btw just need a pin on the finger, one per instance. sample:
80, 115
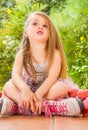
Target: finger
35, 99
27, 105
39, 110
23, 103
35, 111
32, 106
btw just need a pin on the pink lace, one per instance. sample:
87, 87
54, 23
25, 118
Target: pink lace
24, 111
14, 108
55, 108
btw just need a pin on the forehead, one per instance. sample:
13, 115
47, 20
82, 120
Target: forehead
39, 18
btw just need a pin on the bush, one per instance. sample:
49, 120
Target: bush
72, 24
10, 36
70, 17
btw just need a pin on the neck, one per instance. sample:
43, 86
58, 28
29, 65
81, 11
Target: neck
38, 52
37, 46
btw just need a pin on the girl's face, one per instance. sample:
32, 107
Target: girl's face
38, 29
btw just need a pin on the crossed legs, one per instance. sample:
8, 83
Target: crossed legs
71, 106
58, 90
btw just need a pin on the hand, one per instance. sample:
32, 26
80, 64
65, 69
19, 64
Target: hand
38, 104
28, 98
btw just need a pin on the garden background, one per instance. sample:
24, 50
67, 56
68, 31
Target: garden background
71, 20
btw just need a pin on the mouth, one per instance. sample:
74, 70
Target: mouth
40, 32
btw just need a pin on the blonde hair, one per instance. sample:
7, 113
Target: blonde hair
52, 44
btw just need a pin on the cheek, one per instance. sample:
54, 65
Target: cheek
47, 34
29, 31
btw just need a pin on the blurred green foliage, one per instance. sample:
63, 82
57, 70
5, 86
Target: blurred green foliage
73, 26
70, 18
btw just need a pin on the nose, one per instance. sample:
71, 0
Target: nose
40, 27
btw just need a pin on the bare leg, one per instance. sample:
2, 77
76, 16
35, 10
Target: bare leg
11, 91
68, 106
8, 103
58, 90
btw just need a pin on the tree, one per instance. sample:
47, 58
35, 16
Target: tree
72, 24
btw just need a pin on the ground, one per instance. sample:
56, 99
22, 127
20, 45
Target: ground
43, 123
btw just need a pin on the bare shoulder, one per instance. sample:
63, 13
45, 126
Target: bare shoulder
19, 55
56, 54
20, 52
57, 58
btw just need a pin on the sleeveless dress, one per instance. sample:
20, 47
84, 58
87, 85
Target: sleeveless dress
41, 72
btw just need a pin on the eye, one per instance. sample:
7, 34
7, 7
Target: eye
45, 26
34, 23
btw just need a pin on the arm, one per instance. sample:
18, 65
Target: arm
52, 76
27, 96
17, 71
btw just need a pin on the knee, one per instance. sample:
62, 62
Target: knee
62, 87
6, 86
59, 90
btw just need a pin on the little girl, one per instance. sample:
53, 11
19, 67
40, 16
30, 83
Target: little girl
39, 69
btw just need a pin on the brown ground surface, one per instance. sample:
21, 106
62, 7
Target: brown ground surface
43, 123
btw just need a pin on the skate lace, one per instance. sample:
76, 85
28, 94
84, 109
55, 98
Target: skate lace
14, 108
23, 111
55, 108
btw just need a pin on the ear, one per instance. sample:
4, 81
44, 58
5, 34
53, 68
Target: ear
25, 33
